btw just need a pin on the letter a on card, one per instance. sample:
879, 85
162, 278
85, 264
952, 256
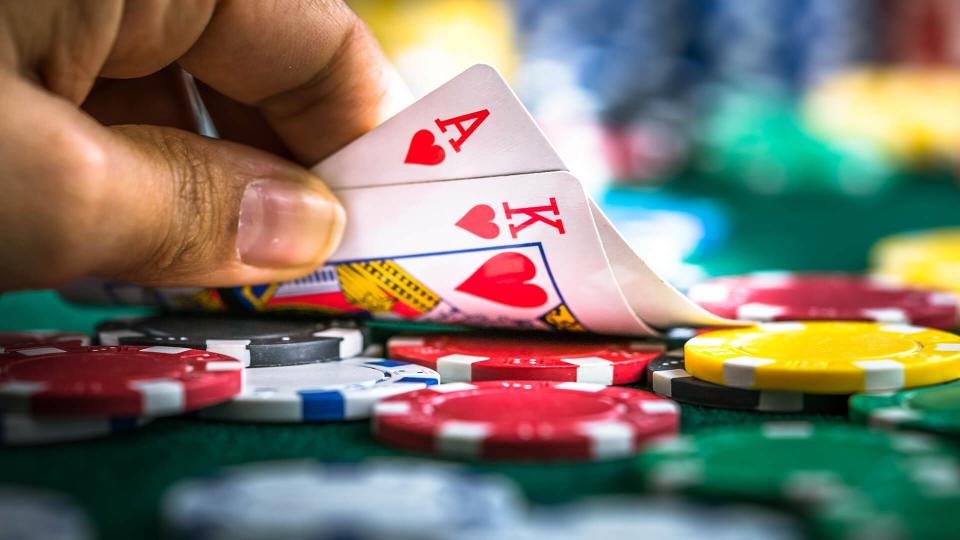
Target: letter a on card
473, 126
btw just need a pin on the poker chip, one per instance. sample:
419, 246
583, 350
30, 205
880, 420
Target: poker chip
667, 377
928, 258
28, 513
344, 390
676, 338
784, 296
257, 342
907, 112
482, 357
524, 420
916, 505
781, 462
115, 381
626, 517
401, 500
930, 408
25, 429
825, 357
11, 340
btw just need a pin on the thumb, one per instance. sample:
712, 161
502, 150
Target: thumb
188, 210
148, 204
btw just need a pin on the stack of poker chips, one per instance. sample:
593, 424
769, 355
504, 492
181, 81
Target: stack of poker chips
55, 387
819, 338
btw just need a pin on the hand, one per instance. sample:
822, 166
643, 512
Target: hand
101, 175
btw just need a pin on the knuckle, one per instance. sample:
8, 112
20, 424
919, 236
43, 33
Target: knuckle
78, 165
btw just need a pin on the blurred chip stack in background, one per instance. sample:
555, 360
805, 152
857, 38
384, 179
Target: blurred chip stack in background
925, 32
613, 74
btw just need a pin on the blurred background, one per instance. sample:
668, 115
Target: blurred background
722, 136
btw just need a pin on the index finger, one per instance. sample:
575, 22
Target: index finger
311, 68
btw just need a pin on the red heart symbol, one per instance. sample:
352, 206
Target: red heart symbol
502, 279
479, 221
423, 151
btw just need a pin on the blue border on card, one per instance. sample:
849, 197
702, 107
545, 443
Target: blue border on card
538, 245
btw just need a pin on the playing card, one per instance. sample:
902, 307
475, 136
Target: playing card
537, 262
463, 213
649, 295
473, 126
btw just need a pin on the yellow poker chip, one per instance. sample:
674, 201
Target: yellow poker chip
879, 107
925, 258
825, 357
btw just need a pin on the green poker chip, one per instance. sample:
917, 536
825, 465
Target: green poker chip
891, 505
929, 408
781, 462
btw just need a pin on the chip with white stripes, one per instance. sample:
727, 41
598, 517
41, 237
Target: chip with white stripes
825, 357
331, 391
466, 357
667, 377
123, 380
525, 420
255, 341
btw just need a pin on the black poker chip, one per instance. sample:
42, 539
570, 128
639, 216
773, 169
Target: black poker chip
667, 377
676, 337
257, 342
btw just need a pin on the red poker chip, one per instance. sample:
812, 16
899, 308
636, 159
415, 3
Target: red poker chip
784, 296
482, 357
10, 340
525, 420
115, 380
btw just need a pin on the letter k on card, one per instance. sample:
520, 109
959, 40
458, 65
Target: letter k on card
471, 127
480, 220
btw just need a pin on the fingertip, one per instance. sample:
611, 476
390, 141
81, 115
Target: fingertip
285, 224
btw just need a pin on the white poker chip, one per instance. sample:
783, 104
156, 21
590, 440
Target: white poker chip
28, 513
329, 391
383, 500
636, 517
255, 341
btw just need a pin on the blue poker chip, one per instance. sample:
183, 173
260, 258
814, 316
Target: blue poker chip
18, 429
397, 500
28, 513
330, 391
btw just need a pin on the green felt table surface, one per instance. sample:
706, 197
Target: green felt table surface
120, 479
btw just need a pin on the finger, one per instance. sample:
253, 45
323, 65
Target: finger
311, 68
233, 214
201, 212
154, 33
304, 67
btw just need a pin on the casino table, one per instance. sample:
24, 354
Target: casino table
119, 480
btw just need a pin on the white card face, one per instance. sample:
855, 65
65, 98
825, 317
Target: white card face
511, 251
473, 126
